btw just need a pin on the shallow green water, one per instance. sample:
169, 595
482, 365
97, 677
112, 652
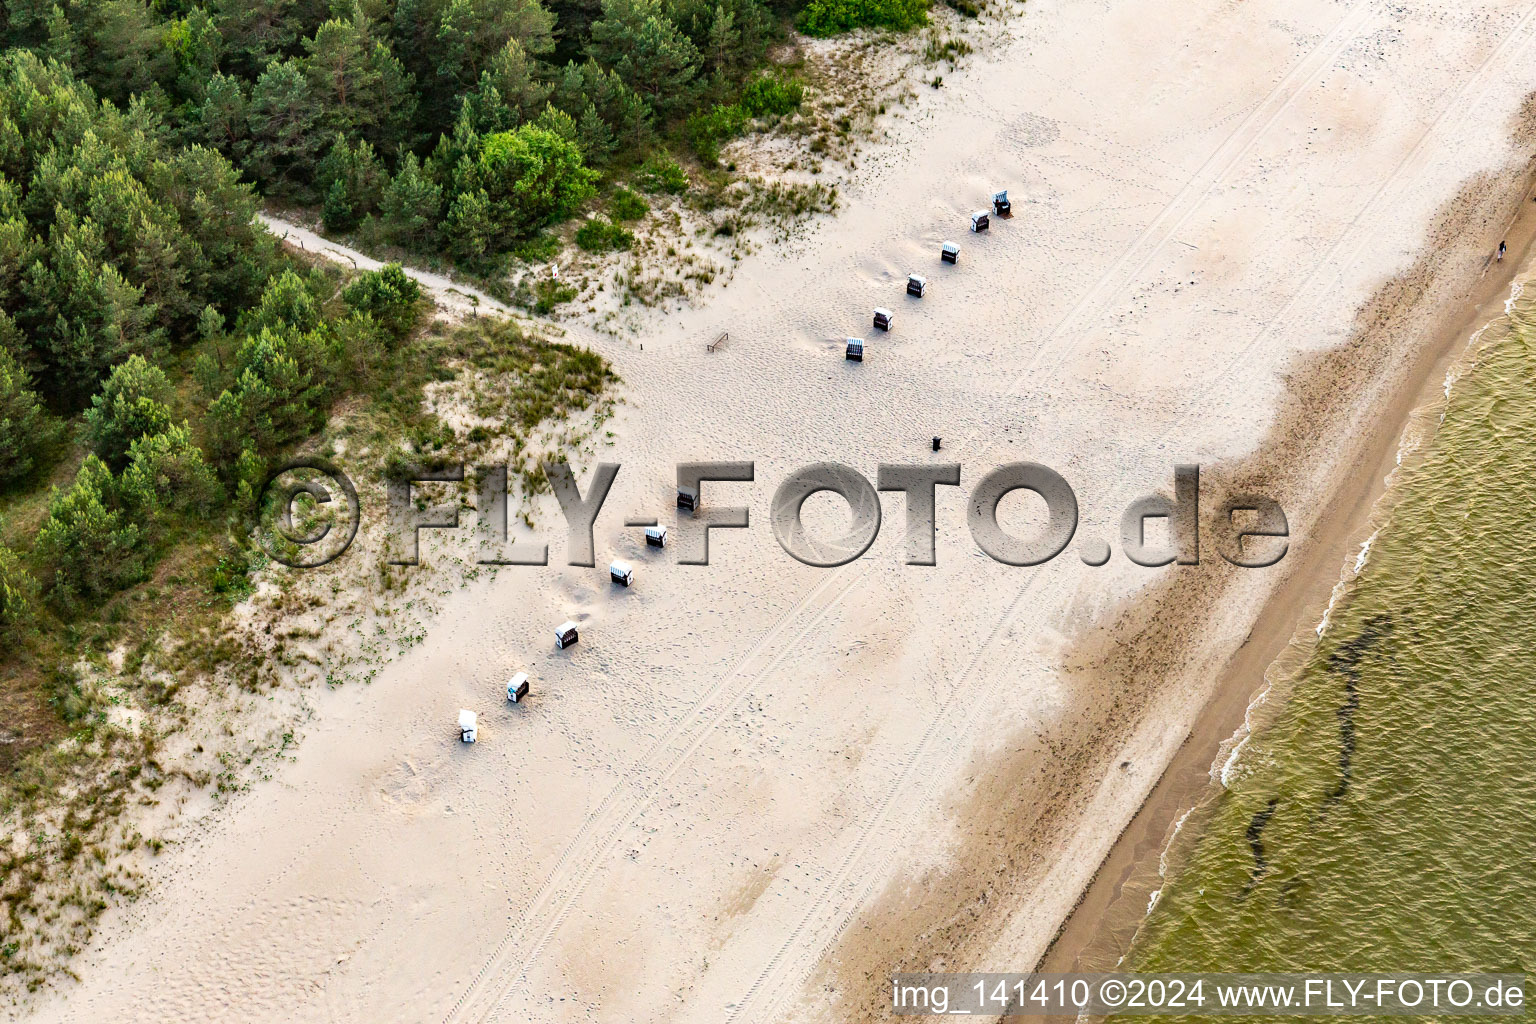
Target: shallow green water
1386, 820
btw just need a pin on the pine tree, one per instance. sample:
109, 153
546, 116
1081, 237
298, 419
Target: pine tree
286, 129
25, 429
89, 540
412, 204
648, 51
223, 119
595, 137
470, 228
352, 179
472, 32
133, 402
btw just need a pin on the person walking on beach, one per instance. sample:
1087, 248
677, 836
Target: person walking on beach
1501, 252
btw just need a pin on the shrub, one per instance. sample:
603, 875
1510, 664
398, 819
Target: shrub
772, 96
550, 293
658, 174
166, 471
538, 249
274, 398
598, 235
830, 17
533, 177
627, 205
17, 589
90, 543
708, 129
286, 302
389, 296
132, 403
25, 429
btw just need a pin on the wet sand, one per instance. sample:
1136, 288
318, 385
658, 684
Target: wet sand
1104, 921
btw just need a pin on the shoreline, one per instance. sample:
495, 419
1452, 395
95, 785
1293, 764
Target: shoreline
1099, 930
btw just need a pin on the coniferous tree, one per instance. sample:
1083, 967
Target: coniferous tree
25, 428
647, 50
412, 204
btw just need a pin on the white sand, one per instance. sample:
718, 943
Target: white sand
736, 760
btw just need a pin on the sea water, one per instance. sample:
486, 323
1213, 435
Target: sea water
1384, 818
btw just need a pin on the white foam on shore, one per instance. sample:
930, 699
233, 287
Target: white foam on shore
1231, 750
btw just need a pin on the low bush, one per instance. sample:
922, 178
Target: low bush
831, 17
627, 205
538, 249
598, 235
709, 129
770, 95
389, 296
659, 174
549, 293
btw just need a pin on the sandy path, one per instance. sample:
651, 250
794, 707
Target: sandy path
738, 761
448, 293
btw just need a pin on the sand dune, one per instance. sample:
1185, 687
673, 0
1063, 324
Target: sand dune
742, 769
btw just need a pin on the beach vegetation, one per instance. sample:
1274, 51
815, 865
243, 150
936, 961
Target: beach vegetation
832, 17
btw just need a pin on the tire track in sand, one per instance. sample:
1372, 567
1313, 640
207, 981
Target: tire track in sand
634, 793
698, 723
782, 976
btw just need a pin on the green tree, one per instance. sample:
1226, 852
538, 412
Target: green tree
627, 116
731, 34
470, 227
25, 428
88, 540
133, 402
518, 82
389, 296
286, 304
166, 472
647, 50
17, 591
274, 398
82, 314
286, 130
254, 33
595, 137
217, 212
352, 179
122, 51
533, 176
195, 47
471, 33
412, 204
223, 118
358, 84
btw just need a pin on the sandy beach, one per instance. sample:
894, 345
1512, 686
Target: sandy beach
1243, 237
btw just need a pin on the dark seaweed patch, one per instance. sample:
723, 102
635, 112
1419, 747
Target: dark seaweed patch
1346, 662
1256, 842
